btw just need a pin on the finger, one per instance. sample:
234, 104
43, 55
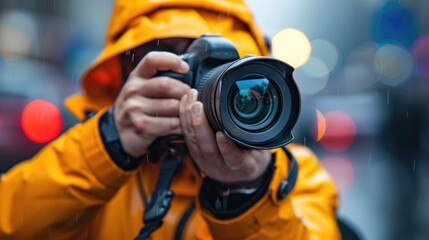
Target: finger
231, 154
155, 126
154, 62
182, 113
186, 120
159, 107
164, 87
191, 98
204, 134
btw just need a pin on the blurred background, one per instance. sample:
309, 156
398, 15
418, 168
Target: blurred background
362, 68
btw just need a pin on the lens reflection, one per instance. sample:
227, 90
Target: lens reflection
251, 100
245, 102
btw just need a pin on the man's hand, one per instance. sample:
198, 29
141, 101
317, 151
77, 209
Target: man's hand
215, 154
147, 106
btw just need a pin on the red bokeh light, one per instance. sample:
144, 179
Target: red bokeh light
1, 123
341, 170
41, 121
340, 132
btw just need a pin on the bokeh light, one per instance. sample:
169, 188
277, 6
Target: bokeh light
341, 169
13, 44
18, 35
359, 66
319, 127
420, 51
291, 46
340, 132
41, 121
395, 64
394, 22
312, 77
1, 123
325, 51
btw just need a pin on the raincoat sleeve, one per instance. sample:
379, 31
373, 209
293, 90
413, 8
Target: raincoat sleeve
308, 212
55, 194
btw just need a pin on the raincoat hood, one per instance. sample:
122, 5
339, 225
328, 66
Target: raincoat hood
134, 23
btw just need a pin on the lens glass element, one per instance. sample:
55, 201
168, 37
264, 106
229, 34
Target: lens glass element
252, 100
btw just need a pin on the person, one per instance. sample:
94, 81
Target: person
87, 184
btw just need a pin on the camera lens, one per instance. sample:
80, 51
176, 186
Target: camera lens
252, 102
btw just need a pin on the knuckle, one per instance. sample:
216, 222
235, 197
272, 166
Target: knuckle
174, 124
130, 89
190, 136
140, 125
235, 167
150, 56
193, 140
235, 164
133, 75
132, 105
208, 149
164, 84
177, 61
173, 105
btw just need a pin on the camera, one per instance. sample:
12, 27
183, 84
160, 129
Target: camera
254, 100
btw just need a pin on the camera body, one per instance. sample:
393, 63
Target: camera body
253, 100
204, 54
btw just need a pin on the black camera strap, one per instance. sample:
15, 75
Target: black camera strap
159, 202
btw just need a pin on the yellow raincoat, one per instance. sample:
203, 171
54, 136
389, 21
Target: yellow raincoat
72, 189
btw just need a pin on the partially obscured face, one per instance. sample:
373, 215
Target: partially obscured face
131, 58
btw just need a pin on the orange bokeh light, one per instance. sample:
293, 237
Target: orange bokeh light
319, 126
41, 121
340, 132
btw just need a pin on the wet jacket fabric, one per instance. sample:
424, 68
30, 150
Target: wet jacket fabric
73, 190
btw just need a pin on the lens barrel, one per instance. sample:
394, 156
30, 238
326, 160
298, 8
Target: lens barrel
253, 100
